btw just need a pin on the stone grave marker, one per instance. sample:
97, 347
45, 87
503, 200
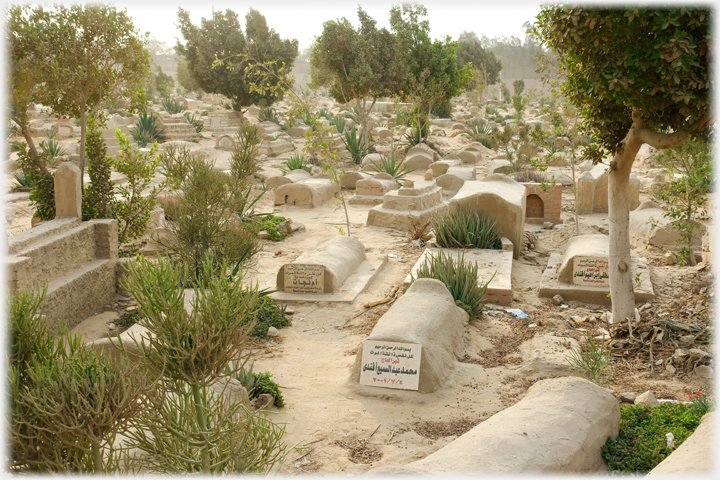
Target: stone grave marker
391, 364
301, 278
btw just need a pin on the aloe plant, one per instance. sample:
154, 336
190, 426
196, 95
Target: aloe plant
194, 121
465, 228
172, 106
146, 130
391, 166
355, 144
296, 162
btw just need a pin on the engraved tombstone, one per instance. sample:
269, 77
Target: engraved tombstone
390, 364
301, 278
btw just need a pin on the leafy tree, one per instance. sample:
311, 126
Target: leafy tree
184, 78
432, 71
470, 50
164, 83
656, 80
95, 54
356, 64
98, 197
222, 39
686, 197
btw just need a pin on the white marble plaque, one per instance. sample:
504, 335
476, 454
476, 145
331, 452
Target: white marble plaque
591, 271
390, 364
304, 278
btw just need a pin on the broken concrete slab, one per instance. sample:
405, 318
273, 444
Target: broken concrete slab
426, 315
545, 356
490, 262
310, 193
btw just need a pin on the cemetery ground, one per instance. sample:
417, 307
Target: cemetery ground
345, 430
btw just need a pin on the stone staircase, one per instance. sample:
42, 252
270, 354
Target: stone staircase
77, 260
176, 127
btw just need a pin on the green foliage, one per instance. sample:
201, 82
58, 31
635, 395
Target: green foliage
165, 85
264, 384
233, 73
505, 92
172, 106
185, 80
42, 183
483, 61
339, 123
392, 166
518, 86
356, 144
22, 178
147, 130
205, 226
701, 404
52, 148
268, 114
98, 197
267, 315
459, 277
519, 103
194, 121
195, 427
465, 228
136, 199
686, 198
325, 113
660, 66
479, 133
593, 361
442, 109
267, 222
128, 319
175, 162
642, 443
243, 160
295, 162
54, 382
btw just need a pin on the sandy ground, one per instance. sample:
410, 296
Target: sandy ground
348, 433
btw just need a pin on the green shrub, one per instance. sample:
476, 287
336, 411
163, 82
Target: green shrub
243, 160
263, 384
147, 130
443, 109
465, 228
339, 123
354, 143
195, 122
128, 319
269, 223
98, 196
642, 444
267, 315
22, 178
392, 166
459, 277
592, 362
296, 162
268, 114
172, 106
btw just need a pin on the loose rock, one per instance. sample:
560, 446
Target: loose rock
647, 399
558, 300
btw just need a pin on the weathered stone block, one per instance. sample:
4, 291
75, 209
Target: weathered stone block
308, 193
68, 194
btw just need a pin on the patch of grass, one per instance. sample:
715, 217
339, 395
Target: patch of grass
459, 277
465, 228
296, 162
128, 319
642, 443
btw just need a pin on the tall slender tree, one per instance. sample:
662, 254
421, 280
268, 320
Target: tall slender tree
639, 76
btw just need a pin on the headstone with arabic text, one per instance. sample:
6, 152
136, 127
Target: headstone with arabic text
390, 364
591, 271
301, 278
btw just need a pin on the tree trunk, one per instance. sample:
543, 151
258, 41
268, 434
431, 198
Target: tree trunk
31, 145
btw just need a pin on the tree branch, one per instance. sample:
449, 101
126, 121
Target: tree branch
663, 141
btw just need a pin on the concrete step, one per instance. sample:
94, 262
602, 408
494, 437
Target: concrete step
24, 240
76, 295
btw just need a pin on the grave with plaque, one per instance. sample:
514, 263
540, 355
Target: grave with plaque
336, 270
414, 344
583, 272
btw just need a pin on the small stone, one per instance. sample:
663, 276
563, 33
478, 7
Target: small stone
647, 399
703, 373
628, 397
687, 338
670, 369
289, 311
428, 175
294, 227
670, 258
263, 235
558, 300
548, 225
264, 400
131, 308
273, 332
408, 184
111, 326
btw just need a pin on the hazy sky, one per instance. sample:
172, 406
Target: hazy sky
303, 20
